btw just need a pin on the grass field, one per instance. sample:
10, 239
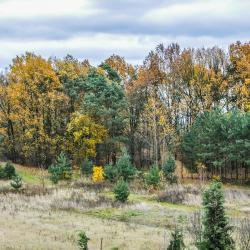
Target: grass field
50, 217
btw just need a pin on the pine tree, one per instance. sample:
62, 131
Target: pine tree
169, 169
216, 230
83, 241
16, 182
61, 169
176, 242
125, 168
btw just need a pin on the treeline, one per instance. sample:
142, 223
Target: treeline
55, 105
220, 143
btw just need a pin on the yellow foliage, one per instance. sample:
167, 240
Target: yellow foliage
33, 107
83, 136
97, 174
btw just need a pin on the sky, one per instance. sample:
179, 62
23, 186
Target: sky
96, 29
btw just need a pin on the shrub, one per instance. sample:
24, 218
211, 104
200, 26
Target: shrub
55, 172
9, 170
87, 167
111, 173
173, 194
83, 241
97, 174
179, 194
169, 169
125, 168
176, 242
16, 182
61, 169
153, 177
2, 173
216, 230
121, 191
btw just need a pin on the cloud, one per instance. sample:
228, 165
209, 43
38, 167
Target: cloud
98, 28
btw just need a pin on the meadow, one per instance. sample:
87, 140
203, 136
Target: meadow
46, 216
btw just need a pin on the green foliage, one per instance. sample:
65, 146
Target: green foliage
216, 140
105, 101
121, 191
153, 177
176, 242
216, 230
8, 171
125, 168
61, 169
169, 169
87, 167
2, 173
112, 74
83, 241
111, 173
16, 182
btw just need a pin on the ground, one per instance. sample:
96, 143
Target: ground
43, 216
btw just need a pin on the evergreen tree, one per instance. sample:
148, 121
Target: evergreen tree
169, 169
9, 170
61, 169
153, 177
125, 168
16, 182
83, 241
176, 242
105, 102
216, 230
121, 191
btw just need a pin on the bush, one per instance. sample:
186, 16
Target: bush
179, 194
111, 173
169, 169
61, 169
16, 182
97, 175
55, 172
9, 170
153, 177
121, 191
176, 242
83, 241
2, 173
125, 168
173, 194
87, 167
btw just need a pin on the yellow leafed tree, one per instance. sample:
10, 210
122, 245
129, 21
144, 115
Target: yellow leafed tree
83, 135
35, 105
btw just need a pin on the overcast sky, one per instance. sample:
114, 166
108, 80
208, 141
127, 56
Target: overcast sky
95, 29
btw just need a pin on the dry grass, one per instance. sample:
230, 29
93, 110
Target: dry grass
50, 217
51, 220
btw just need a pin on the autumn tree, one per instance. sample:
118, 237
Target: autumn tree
239, 75
34, 122
83, 135
71, 72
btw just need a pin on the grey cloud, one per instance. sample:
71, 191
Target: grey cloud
67, 27
119, 17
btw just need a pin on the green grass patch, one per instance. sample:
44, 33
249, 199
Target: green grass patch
114, 214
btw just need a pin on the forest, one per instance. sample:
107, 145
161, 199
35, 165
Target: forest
191, 104
118, 156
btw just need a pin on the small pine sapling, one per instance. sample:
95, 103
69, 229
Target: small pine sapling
16, 182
